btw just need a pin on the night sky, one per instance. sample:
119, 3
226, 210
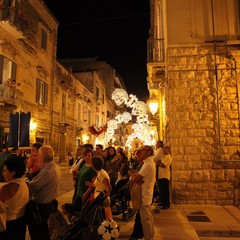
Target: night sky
116, 31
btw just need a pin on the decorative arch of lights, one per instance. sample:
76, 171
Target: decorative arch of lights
141, 128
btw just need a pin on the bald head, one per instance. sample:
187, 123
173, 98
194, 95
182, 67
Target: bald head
46, 154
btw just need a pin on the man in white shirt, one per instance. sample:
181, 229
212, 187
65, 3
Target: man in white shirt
157, 159
146, 177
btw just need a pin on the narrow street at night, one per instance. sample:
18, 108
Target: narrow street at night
179, 222
147, 90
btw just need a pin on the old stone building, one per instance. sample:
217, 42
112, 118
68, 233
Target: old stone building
193, 69
63, 104
101, 80
28, 36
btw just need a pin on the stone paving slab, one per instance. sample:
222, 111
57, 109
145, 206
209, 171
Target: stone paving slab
173, 224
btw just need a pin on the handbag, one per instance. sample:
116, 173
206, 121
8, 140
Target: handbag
32, 214
136, 196
3, 216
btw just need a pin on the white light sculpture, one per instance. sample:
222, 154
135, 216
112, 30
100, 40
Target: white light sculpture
119, 96
141, 129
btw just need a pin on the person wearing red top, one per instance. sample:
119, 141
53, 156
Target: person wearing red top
33, 161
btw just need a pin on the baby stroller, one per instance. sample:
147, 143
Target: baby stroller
85, 227
120, 198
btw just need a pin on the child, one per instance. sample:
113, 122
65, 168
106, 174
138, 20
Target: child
57, 224
101, 184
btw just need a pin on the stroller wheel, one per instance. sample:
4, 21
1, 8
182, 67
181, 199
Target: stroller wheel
132, 212
125, 217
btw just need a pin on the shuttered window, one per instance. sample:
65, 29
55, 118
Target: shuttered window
43, 43
7, 70
41, 92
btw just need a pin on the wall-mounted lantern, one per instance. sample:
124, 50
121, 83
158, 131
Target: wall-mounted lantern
153, 104
33, 125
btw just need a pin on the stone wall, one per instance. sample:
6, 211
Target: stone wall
202, 107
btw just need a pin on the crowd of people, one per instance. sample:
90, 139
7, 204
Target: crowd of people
33, 174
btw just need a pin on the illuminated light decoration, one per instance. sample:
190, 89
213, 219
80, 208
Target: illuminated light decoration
119, 96
143, 119
85, 138
111, 126
118, 118
141, 128
139, 109
131, 101
126, 116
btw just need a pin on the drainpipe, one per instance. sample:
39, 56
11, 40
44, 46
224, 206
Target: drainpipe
217, 80
51, 92
217, 89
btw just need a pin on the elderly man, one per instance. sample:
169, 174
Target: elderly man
44, 188
146, 177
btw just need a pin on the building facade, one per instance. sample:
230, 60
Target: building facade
198, 87
64, 105
28, 34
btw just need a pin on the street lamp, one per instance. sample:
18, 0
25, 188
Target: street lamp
153, 104
33, 125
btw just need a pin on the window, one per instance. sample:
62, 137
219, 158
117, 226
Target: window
63, 107
79, 111
97, 121
238, 17
89, 118
43, 43
97, 93
41, 92
7, 70
103, 100
5, 9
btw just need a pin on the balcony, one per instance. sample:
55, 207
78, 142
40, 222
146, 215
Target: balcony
8, 95
13, 21
156, 50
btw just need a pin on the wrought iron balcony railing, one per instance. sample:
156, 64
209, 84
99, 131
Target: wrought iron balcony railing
9, 94
13, 21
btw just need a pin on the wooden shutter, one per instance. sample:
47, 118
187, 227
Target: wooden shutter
13, 71
37, 90
45, 94
1, 69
